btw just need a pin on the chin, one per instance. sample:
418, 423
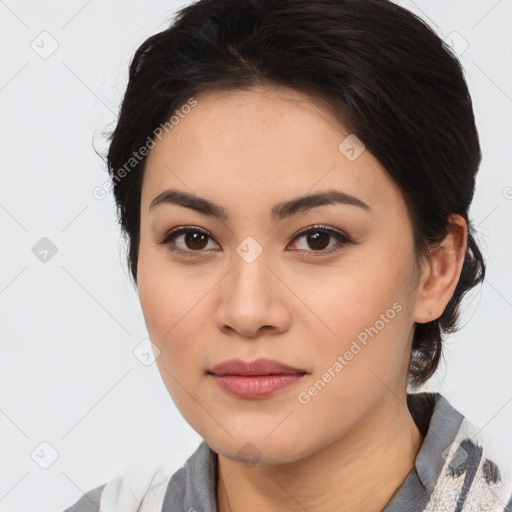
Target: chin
258, 447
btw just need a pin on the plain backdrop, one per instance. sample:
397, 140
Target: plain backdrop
76, 405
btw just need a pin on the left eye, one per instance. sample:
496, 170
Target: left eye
195, 240
317, 237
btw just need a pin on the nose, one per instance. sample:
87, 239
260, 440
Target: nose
252, 301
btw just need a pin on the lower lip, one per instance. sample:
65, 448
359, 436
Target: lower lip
256, 386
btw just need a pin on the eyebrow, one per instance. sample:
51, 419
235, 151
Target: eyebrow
278, 212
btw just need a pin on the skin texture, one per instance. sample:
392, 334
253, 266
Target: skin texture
354, 442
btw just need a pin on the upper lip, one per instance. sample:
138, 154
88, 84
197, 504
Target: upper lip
260, 366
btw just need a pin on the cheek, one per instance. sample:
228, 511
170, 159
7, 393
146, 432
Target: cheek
170, 322
365, 314
157, 306
166, 294
174, 315
368, 354
359, 296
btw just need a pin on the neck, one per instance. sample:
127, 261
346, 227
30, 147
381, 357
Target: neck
358, 472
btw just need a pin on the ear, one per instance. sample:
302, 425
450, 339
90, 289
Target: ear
440, 273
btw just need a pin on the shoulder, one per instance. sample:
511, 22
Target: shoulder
134, 491
89, 502
140, 490
474, 471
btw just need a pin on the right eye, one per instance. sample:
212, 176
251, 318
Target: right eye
193, 240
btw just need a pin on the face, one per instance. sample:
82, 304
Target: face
326, 288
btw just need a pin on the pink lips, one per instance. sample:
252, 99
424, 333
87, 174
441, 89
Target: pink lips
256, 379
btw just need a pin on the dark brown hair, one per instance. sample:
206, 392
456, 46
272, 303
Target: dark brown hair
384, 73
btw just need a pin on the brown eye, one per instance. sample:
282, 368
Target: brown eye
318, 239
186, 240
195, 240
191, 241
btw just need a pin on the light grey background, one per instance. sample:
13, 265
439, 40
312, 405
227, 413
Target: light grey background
68, 376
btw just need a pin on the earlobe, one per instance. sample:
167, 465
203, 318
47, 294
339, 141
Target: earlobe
440, 273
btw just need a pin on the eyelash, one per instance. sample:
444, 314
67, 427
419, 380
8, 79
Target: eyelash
343, 239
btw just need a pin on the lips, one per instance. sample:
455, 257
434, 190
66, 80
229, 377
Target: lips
259, 367
257, 379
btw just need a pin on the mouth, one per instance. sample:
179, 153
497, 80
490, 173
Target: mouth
256, 379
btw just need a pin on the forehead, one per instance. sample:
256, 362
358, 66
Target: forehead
262, 145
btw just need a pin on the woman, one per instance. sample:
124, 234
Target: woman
294, 180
